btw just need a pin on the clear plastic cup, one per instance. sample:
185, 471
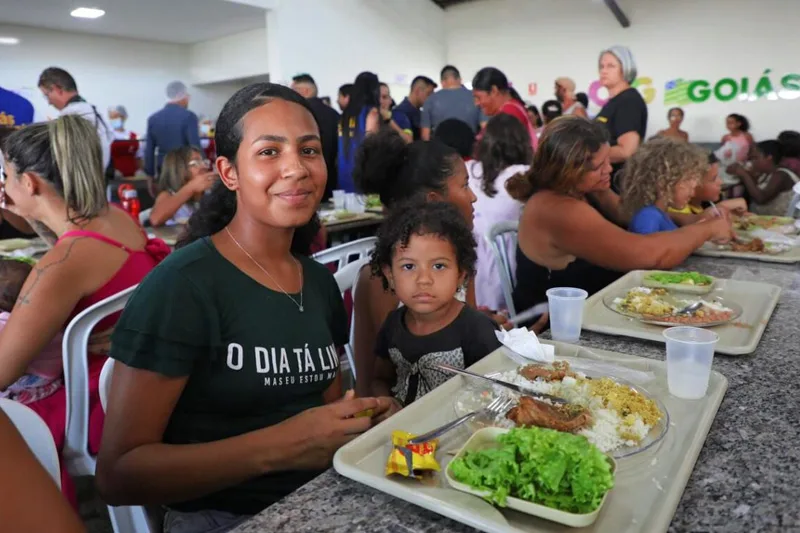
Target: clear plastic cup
566, 313
338, 199
690, 353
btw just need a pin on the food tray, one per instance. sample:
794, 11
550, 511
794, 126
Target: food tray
168, 234
679, 287
792, 255
739, 337
674, 297
487, 438
648, 486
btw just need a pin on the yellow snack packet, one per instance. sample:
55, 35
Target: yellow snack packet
411, 460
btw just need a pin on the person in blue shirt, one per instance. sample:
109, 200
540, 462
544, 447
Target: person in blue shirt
359, 118
662, 174
15, 110
408, 112
172, 127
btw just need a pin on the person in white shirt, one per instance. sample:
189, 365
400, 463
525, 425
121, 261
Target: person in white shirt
61, 91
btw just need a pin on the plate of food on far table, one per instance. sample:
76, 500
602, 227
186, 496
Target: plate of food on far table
748, 223
664, 307
755, 245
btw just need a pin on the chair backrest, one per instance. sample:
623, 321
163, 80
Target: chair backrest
502, 237
794, 203
346, 280
346, 253
105, 382
36, 435
76, 381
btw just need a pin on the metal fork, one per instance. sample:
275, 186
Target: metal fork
498, 406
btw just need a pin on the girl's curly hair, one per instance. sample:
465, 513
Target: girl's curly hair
423, 218
656, 168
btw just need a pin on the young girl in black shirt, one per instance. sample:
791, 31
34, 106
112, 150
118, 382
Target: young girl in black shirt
424, 253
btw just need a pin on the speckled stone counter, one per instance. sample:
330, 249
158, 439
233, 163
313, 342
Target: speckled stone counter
747, 478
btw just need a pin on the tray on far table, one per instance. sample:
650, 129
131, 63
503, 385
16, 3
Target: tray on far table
792, 255
739, 337
648, 485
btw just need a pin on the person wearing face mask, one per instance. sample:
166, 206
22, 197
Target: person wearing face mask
117, 116
675, 117
625, 113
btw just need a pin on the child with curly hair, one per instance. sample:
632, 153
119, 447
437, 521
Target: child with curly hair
663, 173
424, 253
708, 190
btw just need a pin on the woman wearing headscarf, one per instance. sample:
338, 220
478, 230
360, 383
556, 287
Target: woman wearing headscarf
565, 93
625, 113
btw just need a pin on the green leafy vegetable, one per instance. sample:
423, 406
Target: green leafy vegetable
690, 278
551, 468
25, 259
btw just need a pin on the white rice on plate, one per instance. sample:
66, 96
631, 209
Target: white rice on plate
609, 431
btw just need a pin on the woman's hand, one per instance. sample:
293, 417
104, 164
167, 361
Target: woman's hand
203, 182
721, 230
328, 428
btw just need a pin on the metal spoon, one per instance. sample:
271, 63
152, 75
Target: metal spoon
689, 309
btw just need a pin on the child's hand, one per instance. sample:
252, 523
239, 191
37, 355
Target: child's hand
737, 206
386, 407
541, 324
499, 317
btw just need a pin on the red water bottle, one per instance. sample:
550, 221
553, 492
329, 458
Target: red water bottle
129, 199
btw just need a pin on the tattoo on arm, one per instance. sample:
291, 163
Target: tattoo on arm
39, 271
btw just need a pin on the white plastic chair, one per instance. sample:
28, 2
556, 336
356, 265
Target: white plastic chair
76, 454
134, 519
346, 253
76, 381
794, 204
346, 280
498, 238
144, 216
36, 435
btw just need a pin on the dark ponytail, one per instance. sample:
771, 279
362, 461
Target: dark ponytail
396, 171
218, 206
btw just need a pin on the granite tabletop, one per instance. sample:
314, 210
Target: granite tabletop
747, 478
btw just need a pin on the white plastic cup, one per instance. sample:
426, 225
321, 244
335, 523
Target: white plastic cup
690, 354
338, 199
566, 313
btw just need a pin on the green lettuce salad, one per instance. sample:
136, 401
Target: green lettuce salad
687, 278
559, 470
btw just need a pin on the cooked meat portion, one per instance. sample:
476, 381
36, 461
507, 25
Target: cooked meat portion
559, 371
756, 245
530, 412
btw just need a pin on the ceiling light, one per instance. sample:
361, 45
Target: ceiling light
87, 13
9, 40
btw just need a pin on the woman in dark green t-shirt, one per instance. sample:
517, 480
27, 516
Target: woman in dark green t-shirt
222, 398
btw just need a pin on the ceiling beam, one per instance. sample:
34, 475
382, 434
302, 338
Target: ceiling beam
617, 12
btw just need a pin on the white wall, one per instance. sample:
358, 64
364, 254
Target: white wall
242, 55
535, 42
334, 40
108, 71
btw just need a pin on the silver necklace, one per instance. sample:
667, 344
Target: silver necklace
264, 270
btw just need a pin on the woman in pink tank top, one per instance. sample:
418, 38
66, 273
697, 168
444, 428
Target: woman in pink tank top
53, 177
